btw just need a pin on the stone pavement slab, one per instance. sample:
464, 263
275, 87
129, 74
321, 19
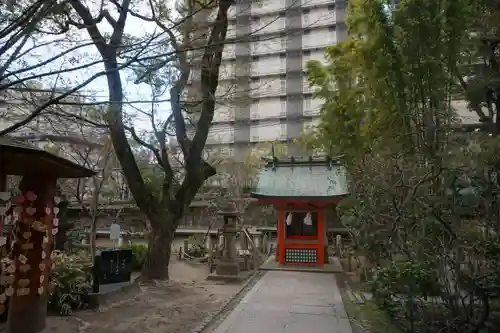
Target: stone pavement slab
291, 302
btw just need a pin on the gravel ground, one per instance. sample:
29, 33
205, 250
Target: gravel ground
176, 306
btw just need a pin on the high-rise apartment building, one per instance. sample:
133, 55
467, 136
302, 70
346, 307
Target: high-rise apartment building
263, 93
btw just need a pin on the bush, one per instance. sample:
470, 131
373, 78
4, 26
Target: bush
72, 282
139, 253
197, 248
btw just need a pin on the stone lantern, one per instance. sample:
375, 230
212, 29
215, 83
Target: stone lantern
227, 264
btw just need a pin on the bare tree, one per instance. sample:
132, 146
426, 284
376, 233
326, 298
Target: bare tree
238, 178
196, 35
89, 193
163, 213
41, 50
89, 146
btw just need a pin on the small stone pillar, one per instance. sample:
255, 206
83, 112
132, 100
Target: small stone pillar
229, 233
256, 241
265, 243
338, 241
243, 242
208, 243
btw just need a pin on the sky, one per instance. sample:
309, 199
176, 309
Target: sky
133, 92
98, 88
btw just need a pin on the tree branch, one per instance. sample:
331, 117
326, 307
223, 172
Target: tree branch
211, 60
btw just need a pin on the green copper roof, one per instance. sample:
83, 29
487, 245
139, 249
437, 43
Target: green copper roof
302, 179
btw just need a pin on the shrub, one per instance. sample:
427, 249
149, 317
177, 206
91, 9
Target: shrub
197, 248
72, 282
139, 253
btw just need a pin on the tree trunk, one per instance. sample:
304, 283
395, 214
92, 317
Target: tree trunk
159, 250
93, 235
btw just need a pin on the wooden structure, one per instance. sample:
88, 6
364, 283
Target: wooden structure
130, 216
301, 189
28, 274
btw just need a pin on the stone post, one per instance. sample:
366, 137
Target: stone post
243, 241
186, 247
256, 241
265, 243
208, 243
230, 248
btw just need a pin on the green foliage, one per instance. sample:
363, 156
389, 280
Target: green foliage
342, 113
153, 176
71, 278
407, 277
197, 248
151, 172
424, 201
373, 85
75, 236
139, 254
269, 219
399, 288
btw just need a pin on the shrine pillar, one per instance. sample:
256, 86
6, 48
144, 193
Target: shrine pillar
280, 238
31, 255
321, 238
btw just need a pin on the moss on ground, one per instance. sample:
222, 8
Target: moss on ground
367, 318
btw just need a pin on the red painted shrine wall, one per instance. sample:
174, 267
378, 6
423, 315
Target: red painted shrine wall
296, 242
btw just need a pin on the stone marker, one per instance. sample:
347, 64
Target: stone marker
265, 242
114, 234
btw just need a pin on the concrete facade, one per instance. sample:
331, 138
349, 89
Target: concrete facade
263, 93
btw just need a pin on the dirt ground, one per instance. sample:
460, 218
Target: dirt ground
176, 306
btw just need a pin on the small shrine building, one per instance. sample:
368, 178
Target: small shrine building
301, 190
26, 274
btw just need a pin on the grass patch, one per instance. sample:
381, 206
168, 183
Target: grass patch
367, 318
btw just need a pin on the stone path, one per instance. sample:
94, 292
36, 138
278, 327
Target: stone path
291, 302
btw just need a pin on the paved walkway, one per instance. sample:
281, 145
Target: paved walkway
291, 302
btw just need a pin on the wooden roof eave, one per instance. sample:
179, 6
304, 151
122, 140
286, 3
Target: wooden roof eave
265, 197
19, 158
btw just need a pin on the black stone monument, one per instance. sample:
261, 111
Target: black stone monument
112, 267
